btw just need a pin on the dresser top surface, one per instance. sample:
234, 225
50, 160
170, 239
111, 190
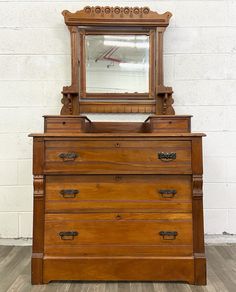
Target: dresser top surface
116, 135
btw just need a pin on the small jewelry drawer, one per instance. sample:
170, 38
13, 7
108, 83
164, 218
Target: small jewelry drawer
65, 124
168, 124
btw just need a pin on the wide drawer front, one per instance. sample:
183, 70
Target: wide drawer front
125, 157
118, 229
165, 193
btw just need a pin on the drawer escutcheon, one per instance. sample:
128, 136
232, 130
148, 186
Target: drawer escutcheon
167, 193
69, 193
167, 156
168, 235
68, 235
70, 156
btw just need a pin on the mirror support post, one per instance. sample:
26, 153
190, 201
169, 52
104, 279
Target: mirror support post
71, 93
164, 98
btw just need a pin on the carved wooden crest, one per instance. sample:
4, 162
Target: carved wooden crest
116, 15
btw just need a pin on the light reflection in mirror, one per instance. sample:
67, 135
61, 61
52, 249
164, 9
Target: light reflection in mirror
117, 63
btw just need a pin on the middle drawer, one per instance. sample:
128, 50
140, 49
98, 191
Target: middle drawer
162, 193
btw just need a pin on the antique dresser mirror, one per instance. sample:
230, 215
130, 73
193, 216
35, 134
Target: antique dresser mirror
117, 201
117, 61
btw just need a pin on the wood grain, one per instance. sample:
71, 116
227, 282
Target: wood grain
117, 217
119, 192
101, 157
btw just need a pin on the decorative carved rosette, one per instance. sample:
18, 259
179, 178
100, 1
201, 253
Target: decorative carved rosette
117, 11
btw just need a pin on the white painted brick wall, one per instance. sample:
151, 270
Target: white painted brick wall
200, 64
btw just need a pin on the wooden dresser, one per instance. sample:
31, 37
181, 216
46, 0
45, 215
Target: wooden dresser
117, 200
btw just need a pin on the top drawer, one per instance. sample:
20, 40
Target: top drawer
115, 156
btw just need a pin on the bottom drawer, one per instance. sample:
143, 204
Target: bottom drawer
109, 234
120, 269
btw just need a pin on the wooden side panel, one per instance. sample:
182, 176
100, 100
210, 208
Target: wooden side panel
38, 155
38, 230
38, 217
198, 226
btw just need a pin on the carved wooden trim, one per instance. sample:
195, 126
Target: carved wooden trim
118, 107
197, 186
67, 108
38, 186
164, 101
116, 16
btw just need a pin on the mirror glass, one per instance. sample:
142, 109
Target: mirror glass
117, 63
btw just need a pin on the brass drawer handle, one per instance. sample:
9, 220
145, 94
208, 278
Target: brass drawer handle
166, 156
168, 193
70, 156
68, 235
69, 193
168, 235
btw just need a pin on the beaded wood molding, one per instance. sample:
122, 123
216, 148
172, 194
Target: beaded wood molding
116, 15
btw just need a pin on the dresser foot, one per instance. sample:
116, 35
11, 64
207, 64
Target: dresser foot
200, 270
37, 269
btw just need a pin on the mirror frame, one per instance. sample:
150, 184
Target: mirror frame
116, 20
127, 96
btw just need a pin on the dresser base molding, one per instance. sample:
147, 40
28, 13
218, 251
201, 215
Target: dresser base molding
184, 269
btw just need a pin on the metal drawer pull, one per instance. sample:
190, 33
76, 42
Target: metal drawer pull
168, 193
166, 156
168, 235
68, 235
69, 193
70, 156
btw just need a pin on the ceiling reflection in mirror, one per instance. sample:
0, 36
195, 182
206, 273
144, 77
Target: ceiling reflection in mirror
117, 63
